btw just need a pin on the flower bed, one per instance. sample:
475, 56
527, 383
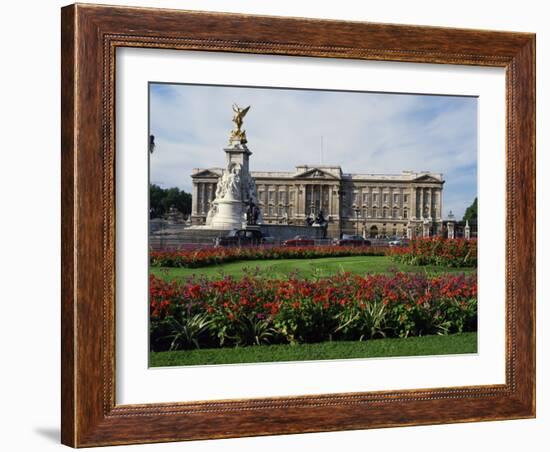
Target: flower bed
438, 251
210, 256
236, 312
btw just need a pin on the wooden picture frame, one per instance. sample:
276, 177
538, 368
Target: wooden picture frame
90, 36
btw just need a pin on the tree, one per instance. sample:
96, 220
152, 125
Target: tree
471, 213
161, 199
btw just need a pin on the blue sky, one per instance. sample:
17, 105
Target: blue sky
362, 132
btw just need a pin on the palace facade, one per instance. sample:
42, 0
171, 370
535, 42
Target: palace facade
372, 205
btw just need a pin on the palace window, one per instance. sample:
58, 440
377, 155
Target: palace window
405, 198
375, 198
395, 212
271, 196
366, 199
395, 198
374, 212
270, 211
384, 212
385, 198
405, 214
291, 196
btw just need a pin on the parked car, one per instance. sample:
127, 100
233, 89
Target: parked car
396, 243
352, 240
299, 241
240, 237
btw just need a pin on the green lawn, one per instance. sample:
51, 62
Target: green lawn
377, 348
322, 267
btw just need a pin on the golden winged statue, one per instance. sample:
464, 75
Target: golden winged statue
237, 134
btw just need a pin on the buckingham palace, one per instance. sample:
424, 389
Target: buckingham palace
372, 205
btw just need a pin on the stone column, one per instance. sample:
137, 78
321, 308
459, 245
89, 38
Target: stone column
303, 200
199, 198
426, 192
369, 202
206, 196
440, 203
413, 204
423, 203
195, 200
430, 194
426, 228
317, 191
330, 189
310, 193
315, 197
203, 197
402, 194
467, 231
298, 200
336, 207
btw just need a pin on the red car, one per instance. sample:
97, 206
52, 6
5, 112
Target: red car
299, 241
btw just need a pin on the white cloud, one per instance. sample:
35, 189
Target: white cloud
362, 132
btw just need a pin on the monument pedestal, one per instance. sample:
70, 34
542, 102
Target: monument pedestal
229, 214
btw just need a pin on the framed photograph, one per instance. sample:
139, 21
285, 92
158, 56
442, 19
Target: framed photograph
281, 225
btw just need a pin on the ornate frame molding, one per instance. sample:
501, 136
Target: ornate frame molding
90, 37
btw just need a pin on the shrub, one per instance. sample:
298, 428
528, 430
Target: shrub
252, 310
437, 251
210, 256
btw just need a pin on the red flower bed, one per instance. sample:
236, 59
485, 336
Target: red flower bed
438, 251
209, 256
203, 313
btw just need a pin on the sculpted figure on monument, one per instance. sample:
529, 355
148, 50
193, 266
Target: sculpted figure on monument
237, 134
213, 210
234, 182
220, 188
320, 219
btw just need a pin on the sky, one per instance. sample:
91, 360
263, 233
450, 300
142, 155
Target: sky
375, 133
